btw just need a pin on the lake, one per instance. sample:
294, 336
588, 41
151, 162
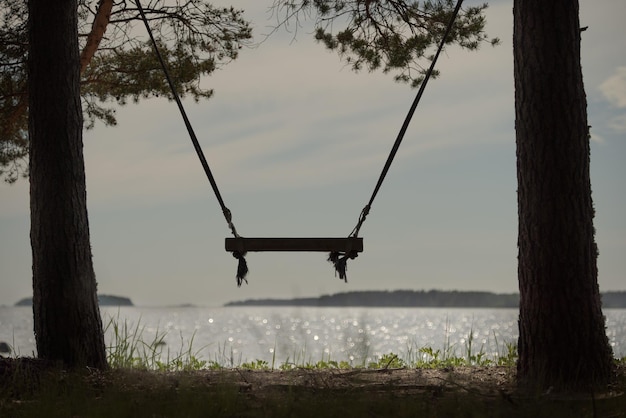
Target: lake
233, 335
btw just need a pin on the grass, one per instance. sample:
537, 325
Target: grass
148, 380
128, 349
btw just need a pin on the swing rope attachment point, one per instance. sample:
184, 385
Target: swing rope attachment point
340, 259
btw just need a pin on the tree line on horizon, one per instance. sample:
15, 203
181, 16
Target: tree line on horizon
417, 298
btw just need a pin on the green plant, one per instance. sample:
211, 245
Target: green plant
128, 350
255, 365
388, 361
508, 357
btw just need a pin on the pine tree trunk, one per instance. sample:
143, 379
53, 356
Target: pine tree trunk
562, 338
68, 327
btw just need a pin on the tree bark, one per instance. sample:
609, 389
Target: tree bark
68, 327
562, 337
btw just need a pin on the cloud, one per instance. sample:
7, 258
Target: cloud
296, 123
614, 88
290, 115
597, 138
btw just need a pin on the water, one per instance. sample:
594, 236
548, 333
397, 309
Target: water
233, 335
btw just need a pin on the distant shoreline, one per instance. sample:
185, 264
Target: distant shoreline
103, 300
382, 299
417, 299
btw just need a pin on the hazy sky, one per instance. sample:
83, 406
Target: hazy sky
296, 142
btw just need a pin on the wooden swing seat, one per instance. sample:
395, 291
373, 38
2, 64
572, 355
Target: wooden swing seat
243, 245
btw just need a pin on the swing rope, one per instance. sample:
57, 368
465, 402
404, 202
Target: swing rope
242, 268
340, 259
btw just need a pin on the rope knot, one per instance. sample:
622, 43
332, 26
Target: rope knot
242, 268
340, 262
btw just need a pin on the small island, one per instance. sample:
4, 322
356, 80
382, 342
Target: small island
103, 300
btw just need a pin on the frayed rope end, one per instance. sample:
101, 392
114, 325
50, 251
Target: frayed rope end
242, 268
340, 262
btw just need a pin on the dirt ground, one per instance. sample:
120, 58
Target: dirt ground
406, 381
443, 392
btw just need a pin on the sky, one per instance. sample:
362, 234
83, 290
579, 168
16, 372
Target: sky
296, 142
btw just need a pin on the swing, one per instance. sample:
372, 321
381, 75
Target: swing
339, 249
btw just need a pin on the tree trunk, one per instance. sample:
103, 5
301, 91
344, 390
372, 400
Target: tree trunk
562, 337
68, 327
